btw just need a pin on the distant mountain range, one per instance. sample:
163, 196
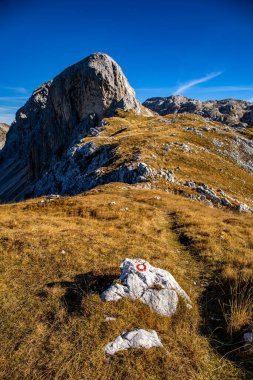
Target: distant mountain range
235, 113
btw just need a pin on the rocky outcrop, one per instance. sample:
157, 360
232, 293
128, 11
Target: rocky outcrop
3, 132
134, 339
153, 286
83, 167
235, 113
55, 118
211, 198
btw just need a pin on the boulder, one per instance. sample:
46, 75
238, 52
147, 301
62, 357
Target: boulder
242, 207
153, 286
134, 339
208, 193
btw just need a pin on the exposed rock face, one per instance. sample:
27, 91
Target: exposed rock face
153, 286
134, 339
83, 168
235, 113
56, 117
3, 132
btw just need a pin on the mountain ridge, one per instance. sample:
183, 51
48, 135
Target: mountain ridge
233, 112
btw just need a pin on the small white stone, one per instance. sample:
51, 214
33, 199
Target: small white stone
108, 319
185, 147
134, 339
248, 337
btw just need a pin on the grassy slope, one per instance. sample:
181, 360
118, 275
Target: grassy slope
57, 256
147, 137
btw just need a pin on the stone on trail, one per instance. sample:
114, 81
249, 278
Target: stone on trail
248, 338
153, 286
109, 319
134, 339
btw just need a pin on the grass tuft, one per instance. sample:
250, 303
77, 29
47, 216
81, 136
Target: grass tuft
239, 311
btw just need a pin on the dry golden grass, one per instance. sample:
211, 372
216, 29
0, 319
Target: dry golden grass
239, 311
222, 238
52, 325
57, 256
147, 137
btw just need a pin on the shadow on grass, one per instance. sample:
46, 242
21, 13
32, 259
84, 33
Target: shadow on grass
212, 304
82, 286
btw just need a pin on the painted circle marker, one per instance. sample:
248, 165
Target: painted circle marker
141, 267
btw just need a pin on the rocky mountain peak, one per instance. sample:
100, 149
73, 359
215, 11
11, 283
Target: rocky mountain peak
58, 114
95, 85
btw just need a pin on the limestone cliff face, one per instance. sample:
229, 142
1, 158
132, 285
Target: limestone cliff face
58, 114
235, 113
3, 132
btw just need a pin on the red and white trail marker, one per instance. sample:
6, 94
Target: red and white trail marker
141, 267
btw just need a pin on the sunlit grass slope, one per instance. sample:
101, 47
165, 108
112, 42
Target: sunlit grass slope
57, 256
158, 142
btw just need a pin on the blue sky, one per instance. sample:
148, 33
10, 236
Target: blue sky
201, 49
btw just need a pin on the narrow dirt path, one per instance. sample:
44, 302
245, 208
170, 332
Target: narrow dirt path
213, 293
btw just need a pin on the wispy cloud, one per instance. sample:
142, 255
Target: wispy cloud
181, 89
202, 93
12, 98
224, 89
19, 90
7, 118
8, 107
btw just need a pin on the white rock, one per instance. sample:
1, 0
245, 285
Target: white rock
153, 286
108, 319
167, 174
248, 338
134, 339
185, 147
113, 203
52, 197
242, 207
